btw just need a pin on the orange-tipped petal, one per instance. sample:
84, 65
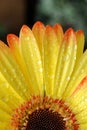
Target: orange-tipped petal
82, 85
15, 47
32, 58
12, 40
11, 70
69, 37
65, 63
51, 49
59, 32
38, 30
80, 43
78, 98
25, 29
79, 73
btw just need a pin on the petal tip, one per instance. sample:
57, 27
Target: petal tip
25, 29
49, 29
70, 36
57, 26
80, 32
11, 38
38, 26
38, 23
69, 31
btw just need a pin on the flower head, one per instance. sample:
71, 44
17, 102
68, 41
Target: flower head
43, 80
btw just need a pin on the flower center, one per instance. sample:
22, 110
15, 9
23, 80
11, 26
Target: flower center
45, 119
43, 113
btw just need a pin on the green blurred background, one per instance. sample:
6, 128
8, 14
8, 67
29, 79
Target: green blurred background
15, 13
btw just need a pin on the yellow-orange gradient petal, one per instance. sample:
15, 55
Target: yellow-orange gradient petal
78, 102
51, 50
80, 72
11, 70
39, 30
8, 95
65, 63
15, 48
59, 32
32, 58
80, 43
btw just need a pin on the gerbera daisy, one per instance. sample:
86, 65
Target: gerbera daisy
43, 80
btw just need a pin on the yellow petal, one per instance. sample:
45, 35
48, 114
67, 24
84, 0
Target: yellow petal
78, 103
10, 69
13, 41
5, 126
38, 30
8, 95
5, 107
15, 48
80, 44
78, 99
65, 63
80, 71
83, 126
82, 117
51, 49
4, 116
59, 32
32, 58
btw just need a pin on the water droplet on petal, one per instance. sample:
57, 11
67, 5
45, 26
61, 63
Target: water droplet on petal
25, 90
4, 99
41, 70
75, 58
32, 55
5, 70
68, 78
82, 71
12, 79
39, 62
27, 38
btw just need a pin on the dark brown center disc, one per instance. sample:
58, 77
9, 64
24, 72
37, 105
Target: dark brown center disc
45, 119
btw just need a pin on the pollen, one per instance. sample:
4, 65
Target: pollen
44, 113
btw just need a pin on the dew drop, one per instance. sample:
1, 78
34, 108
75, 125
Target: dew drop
12, 79
74, 57
5, 70
66, 57
6, 85
82, 71
13, 70
27, 38
24, 90
35, 48
22, 75
51, 76
15, 76
41, 70
19, 84
39, 62
68, 78
75, 47
32, 55
4, 99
